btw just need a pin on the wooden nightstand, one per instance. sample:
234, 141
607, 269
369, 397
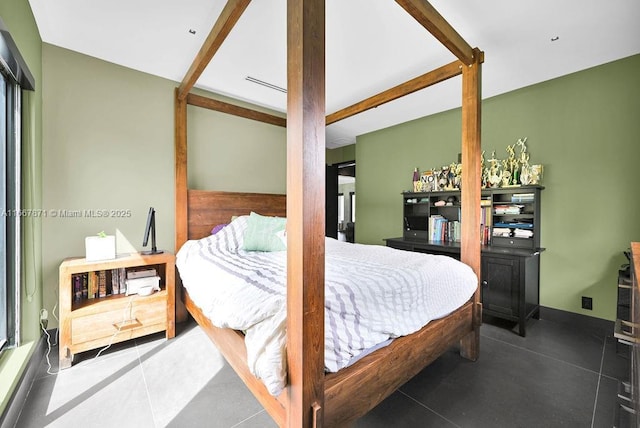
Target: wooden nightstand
89, 323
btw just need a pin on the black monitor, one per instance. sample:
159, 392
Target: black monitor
150, 229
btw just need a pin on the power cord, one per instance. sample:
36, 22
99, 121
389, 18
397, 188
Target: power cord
43, 325
126, 316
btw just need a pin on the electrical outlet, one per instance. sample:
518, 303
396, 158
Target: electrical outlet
587, 303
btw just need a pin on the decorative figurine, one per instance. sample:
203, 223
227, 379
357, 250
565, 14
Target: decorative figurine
495, 174
511, 165
443, 180
416, 180
536, 173
525, 171
484, 171
512, 171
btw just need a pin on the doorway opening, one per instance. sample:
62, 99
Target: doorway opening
346, 201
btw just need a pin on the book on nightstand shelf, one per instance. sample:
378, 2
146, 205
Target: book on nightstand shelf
111, 282
141, 273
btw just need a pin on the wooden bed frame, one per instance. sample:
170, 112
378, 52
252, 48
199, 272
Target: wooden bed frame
313, 399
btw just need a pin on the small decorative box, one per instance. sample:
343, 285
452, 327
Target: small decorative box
100, 247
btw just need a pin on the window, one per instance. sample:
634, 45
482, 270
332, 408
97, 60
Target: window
14, 77
340, 208
4, 336
9, 224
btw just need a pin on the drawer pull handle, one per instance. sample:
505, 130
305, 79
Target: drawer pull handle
128, 324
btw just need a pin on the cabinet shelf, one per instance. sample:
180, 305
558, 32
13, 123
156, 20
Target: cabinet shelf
417, 215
448, 206
526, 213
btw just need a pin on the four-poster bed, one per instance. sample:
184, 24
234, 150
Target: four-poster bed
311, 397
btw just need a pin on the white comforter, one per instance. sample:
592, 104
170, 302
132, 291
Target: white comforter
373, 293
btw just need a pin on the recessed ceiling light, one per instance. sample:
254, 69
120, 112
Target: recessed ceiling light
555, 38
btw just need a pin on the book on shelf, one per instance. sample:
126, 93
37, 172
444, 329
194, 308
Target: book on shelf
85, 286
522, 233
92, 285
102, 283
485, 235
514, 225
501, 231
97, 284
485, 216
117, 281
115, 285
436, 222
443, 230
512, 233
507, 209
77, 287
141, 273
522, 197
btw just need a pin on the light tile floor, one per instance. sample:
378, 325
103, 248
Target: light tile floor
558, 376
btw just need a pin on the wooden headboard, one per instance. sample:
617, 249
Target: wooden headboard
207, 209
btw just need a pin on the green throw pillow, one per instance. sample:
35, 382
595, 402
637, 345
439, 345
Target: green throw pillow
265, 233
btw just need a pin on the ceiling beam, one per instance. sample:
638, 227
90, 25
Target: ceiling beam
226, 21
435, 76
429, 18
221, 106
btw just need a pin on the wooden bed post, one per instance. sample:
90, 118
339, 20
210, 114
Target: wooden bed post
181, 210
471, 152
180, 118
305, 211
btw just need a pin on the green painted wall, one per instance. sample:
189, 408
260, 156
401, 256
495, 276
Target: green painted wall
235, 154
108, 144
583, 127
341, 154
18, 18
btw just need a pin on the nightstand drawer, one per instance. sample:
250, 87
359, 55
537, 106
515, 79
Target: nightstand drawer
132, 316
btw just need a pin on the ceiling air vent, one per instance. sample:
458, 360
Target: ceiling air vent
266, 84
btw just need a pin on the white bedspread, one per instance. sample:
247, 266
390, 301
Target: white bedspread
373, 293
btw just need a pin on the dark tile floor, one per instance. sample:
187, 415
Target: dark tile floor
558, 376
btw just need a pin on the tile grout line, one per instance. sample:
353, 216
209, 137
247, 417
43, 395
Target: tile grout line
146, 387
595, 402
541, 354
426, 407
247, 418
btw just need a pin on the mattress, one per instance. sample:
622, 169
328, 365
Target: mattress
373, 294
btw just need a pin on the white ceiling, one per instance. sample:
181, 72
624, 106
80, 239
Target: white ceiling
371, 45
